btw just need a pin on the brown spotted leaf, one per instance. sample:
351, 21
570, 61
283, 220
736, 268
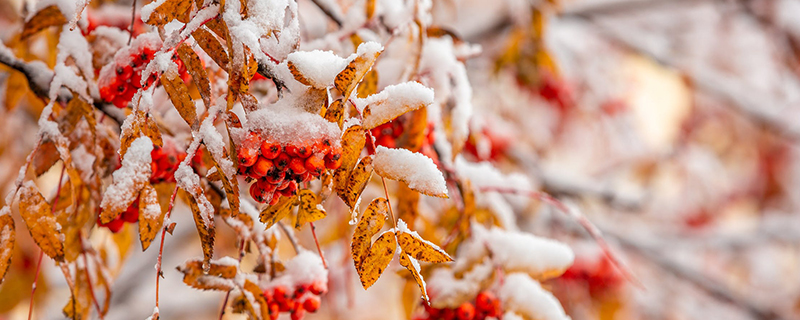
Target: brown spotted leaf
418, 248
355, 71
150, 216
195, 67
219, 277
168, 11
212, 46
272, 214
47, 17
380, 254
357, 181
310, 209
412, 266
335, 113
353, 141
7, 237
179, 95
142, 124
206, 233
41, 223
371, 222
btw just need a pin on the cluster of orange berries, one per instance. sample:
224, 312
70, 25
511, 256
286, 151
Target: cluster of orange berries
486, 305
305, 298
278, 169
165, 161
127, 77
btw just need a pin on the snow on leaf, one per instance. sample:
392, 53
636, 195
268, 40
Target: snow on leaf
128, 179
413, 266
414, 169
380, 254
47, 17
42, 225
220, 275
309, 209
526, 297
418, 248
316, 68
357, 182
7, 238
394, 101
371, 222
206, 231
137, 125
150, 216
161, 12
366, 54
272, 214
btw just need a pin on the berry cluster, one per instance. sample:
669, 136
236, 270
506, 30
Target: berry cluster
486, 305
305, 298
387, 134
596, 273
130, 215
127, 76
278, 169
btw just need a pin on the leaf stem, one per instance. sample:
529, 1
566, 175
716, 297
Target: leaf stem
163, 235
319, 249
35, 279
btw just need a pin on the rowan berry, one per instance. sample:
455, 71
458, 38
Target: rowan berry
282, 160
270, 150
262, 167
247, 156
466, 311
297, 165
311, 304
333, 160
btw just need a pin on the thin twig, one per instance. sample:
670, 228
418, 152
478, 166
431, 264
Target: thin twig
33, 287
133, 21
289, 235
164, 228
319, 249
328, 12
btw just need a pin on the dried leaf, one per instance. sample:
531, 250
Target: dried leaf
168, 11
179, 95
48, 17
310, 209
420, 249
45, 157
347, 80
299, 75
41, 223
16, 87
335, 112
272, 214
357, 181
407, 203
371, 222
413, 266
7, 237
353, 141
206, 233
151, 217
380, 254
219, 277
198, 72
369, 85
414, 135
142, 124
212, 46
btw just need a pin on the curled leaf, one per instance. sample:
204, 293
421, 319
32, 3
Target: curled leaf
166, 11
412, 266
179, 95
219, 276
198, 72
353, 141
212, 46
150, 216
380, 254
355, 71
48, 17
357, 181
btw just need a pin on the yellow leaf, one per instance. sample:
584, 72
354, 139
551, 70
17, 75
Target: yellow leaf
310, 209
142, 124
335, 113
179, 95
41, 223
417, 248
407, 203
299, 75
7, 237
16, 87
353, 141
369, 85
206, 233
212, 46
357, 181
150, 216
380, 254
413, 266
272, 214
195, 67
219, 276
371, 222
347, 80
168, 11
414, 133
370, 9
47, 17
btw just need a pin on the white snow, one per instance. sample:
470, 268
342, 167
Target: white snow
319, 67
392, 102
305, 268
448, 291
285, 124
147, 10
415, 169
132, 176
153, 209
216, 146
73, 44
523, 295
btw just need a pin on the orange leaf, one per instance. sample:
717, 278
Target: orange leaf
195, 67
310, 209
206, 233
353, 141
380, 254
169, 10
335, 113
272, 214
7, 237
370, 9
16, 87
418, 248
212, 46
357, 181
48, 17
151, 216
219, 277
413, 266
41, 223
369, 85
347, 80
371, 222
179, 95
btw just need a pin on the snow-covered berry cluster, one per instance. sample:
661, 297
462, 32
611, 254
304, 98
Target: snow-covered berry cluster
120, 79
486, 306
278, 169
304, 298
165, 161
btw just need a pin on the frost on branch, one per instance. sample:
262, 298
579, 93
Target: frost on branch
414, 169
526, 297
128, 180
393, 101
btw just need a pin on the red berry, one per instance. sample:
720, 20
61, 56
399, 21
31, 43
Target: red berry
333, 160
485, 302
311, 304
131, 214
276, 196
304, 150
318, 287
270, 150
298, 312
290, 189
247, 156
275, 176
257, 193
386, 141
282, 161
315, 164
466, 311
262, 166
297, 165
115, 225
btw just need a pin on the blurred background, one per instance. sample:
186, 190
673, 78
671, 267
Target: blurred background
672, 125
